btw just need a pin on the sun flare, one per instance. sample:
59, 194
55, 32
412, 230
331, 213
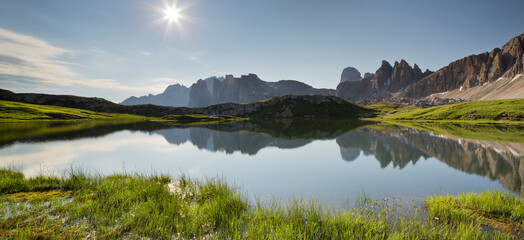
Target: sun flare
172, 14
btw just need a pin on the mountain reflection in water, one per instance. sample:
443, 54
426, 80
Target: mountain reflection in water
389, 144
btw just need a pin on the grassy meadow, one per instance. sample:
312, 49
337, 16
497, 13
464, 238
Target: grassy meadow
16, 111
80, 205
511, 110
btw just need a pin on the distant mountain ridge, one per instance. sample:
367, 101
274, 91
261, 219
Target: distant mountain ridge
386, 81
474, 70
246, 89
495, 75
175, 95
215, 90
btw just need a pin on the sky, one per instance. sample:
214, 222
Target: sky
120, 48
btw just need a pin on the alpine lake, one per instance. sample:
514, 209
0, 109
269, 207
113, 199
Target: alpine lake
332, 162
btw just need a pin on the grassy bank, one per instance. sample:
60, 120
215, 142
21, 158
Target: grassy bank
480, 111
494, 210
77, 205
23, 112
16, 112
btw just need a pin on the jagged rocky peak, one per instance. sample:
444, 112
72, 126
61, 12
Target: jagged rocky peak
350, 74
383, 75
368, 74
248, 88
513, 56
474, 70
174, 88
387, 81
398, 77
250, 77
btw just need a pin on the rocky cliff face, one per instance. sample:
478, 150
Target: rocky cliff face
386, 81
356, 90
477, 77
201, 96
474, 70
350, 74
175, 95
248, 88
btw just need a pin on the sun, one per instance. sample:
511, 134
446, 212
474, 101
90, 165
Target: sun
172, 14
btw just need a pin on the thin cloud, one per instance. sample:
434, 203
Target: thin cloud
28, 61
23, 55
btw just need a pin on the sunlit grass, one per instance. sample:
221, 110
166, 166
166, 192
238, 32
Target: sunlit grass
79, 205
496, 210
492, 110
16, 111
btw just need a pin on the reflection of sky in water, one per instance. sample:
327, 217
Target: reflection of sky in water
314, 170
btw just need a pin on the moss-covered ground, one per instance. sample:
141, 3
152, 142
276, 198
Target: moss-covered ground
79, 205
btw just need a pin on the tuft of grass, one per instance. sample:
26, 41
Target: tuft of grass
492, 110
16, 111
493, 209
79, 205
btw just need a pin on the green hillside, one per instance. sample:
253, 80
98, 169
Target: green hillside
492, 110
15, 111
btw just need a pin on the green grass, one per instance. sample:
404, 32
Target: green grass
388, 108
79, 205
493, 110
493, 209
15, 111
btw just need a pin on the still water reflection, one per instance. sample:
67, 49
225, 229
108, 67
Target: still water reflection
329, 161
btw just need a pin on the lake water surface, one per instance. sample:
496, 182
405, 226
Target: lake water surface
331, 161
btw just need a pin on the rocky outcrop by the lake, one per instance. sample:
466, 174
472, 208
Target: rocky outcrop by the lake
246, 89
286, 106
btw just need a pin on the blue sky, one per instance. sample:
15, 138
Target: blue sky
118, 48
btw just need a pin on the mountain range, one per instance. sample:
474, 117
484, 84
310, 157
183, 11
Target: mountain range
491, 75
216, 90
